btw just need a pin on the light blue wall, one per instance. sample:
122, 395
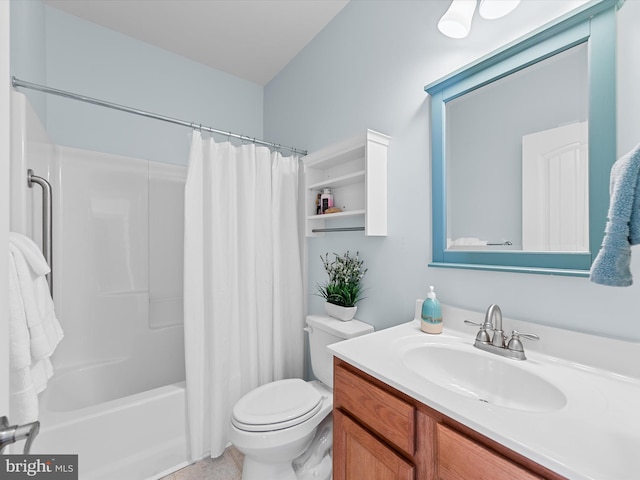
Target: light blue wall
85, 58
367, 69
28, 49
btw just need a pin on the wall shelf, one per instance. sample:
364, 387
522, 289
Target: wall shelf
350, 179
356, 171
329, 216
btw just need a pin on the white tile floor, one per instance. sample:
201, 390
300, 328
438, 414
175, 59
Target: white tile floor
226, 467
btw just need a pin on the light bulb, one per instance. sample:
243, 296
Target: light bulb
492, 9
456, 22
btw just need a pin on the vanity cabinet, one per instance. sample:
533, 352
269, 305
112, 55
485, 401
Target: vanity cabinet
368, 457
356, 172
381, 433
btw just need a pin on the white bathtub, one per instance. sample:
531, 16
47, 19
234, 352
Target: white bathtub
137, 437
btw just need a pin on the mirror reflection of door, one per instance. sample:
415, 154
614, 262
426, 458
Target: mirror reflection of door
555, 189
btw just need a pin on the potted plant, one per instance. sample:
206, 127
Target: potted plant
343, 290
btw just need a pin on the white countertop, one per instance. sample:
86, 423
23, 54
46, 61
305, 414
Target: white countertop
596, 435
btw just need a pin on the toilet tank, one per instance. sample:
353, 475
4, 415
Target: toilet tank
324, 331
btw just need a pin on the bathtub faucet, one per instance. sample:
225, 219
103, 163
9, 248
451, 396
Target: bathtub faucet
14, 433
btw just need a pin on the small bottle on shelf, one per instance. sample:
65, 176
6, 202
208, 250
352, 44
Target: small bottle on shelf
318, 204
326, 200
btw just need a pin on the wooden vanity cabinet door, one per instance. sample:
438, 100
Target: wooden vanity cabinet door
358, 455
384, 413
460, 458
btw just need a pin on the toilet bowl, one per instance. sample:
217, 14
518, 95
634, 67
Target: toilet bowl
276, 422
269, 448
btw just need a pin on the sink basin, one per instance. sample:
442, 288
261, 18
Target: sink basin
476, 374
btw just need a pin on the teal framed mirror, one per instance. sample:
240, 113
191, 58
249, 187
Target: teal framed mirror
504, 195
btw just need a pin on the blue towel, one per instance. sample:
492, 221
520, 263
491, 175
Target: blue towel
612, 265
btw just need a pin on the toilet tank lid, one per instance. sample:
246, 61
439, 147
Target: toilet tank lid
338, 328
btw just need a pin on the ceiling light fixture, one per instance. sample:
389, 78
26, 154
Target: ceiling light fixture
456, 21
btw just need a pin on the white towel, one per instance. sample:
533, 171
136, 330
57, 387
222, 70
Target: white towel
464, 241
34, 329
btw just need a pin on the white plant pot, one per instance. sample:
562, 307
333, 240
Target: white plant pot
341, 313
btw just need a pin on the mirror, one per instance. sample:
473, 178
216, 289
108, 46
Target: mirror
502, 140
522, 145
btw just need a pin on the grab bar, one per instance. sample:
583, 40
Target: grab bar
47, 214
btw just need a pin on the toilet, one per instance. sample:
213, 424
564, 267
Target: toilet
275, 423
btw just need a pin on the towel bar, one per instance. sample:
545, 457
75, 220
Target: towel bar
338, 229
47, 213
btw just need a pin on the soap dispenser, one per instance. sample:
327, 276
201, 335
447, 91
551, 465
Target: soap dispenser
431, 314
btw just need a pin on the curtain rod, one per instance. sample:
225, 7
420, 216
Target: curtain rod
16, 82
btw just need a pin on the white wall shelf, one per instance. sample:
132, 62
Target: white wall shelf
350, 179
356, 171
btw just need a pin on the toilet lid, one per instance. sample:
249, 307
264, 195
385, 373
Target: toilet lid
276, 405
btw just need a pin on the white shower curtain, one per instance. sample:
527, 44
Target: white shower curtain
243, 311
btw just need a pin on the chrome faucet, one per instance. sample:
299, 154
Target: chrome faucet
491, 337
14, 433
498, 339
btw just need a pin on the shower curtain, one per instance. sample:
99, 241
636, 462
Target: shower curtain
243, 305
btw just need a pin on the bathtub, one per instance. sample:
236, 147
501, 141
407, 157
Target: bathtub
135, 437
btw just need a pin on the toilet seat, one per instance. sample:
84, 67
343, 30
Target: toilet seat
276, 406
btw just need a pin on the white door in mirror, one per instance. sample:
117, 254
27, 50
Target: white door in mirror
555, 189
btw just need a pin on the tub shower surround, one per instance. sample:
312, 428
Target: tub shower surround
117, 260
